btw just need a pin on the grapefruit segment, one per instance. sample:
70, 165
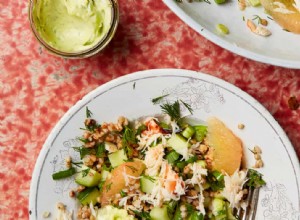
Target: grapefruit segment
227, 147
284, 13
116, 182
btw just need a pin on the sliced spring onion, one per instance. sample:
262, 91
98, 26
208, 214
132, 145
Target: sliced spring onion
200, 132
172, 156
188, 132
222, 29
220, 1
64, 174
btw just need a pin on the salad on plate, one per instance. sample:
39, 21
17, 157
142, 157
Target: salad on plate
161, 167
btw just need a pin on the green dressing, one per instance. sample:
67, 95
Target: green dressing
72, 25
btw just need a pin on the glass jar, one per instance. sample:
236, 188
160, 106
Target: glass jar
45, 31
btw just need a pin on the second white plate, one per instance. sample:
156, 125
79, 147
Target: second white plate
281, 48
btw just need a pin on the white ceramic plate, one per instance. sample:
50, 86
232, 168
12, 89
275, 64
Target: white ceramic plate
209, 96
281, 48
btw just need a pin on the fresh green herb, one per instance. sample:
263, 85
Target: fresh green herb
107, 187
85, 172
171, 207
270, 18
133, 169
100, 185
207, 1
92, 126
255, 179
189, 208
142, 214
158, 99
149, 178
172, 157
128, 139
251, 151
81, 195
177, 214
140, 129
128, 136
78, 164
195, 215
83, 140
128, 160
173, 110
182, 164
215, 180
88, 113
256, 17
188, 106
83, 151
64, 174
100, 150
123, 194
107, 168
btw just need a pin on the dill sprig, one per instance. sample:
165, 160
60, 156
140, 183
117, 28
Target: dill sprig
258, 18
188, 106
173, 110
128, 139
83, 151
88, 113
85, 172
158, 99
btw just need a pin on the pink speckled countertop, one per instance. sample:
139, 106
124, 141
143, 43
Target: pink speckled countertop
36, 88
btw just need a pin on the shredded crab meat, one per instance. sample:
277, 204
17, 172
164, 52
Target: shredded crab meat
153, 160
168, 187
127, 177
198, 179
233, 190
145, 141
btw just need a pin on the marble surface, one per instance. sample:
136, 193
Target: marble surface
36, 88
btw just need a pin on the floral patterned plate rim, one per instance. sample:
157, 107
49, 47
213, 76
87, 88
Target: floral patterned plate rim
278, 49
131, 96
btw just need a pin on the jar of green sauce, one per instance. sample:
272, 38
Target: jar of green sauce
74, 28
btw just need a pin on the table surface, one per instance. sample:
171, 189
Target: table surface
36, 88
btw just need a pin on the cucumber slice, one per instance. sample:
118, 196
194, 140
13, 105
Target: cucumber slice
202, 163
172, 157
218, 208
117, 158
179, 144
188, 132
88, 195
147, 184
229, 211
195, 215
104, 175
88, 177
158, 213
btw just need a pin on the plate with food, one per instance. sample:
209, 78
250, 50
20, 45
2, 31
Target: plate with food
166, 144
266, 31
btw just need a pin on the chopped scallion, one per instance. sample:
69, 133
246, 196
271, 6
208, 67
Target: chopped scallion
64, 174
